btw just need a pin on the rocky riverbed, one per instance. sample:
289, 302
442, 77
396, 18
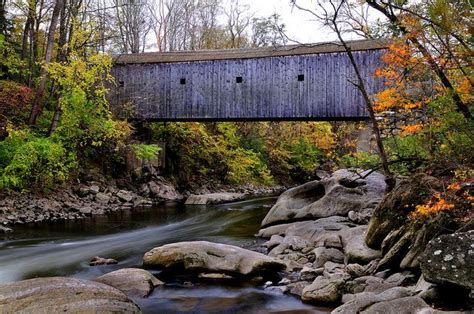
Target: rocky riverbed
101, 197
334, 242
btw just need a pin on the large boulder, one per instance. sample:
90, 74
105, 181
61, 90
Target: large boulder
337, 195
202, 256
396, 206
449, 259
60, 294
133, 281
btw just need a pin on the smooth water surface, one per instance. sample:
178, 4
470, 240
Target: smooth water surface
64, 249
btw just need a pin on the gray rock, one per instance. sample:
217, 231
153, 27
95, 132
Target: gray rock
407, 305
199, 256
214, 198
163, 190
360, 217
333, 268
322, 255
293, 243
296, 288
102, 198
215, 276
87, 210
426, 290
315, 231
94, 189
60, 294
125, 196
274, 241
132, 281
323, 290
449, 259
4, 229
336, 195
355, 249
332, 241
277, 289
309, 273
359, 301
97, 260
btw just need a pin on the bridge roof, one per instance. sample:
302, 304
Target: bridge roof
247, 53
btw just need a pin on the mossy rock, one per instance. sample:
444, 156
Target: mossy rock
396, 206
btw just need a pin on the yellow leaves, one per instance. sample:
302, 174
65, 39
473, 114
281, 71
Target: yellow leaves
387, 99
410, 129
435, 206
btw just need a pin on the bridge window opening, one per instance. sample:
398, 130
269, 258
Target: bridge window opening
300, 77
239, 79
182, 81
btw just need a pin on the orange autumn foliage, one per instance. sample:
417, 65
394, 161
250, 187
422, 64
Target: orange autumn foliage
410, 129
433, 207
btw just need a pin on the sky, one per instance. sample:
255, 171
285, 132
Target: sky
300, 25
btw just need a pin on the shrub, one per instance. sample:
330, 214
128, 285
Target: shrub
29, 160
14, 101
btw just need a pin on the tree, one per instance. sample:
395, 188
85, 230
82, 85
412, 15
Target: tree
408, 27
134, 23
238, 21
330, 14
268, 31
39, 93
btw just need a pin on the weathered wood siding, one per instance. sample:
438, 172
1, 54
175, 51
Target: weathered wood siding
270, 88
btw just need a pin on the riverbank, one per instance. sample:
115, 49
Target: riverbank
332, 242
95, 198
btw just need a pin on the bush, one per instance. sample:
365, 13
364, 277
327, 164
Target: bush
145, 151
14, 101
28, 160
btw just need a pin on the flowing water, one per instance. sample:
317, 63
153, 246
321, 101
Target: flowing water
64, 249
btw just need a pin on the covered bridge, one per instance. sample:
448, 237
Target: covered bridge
300, 82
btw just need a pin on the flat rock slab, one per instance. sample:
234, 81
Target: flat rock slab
202, 256
132, 281
61, 294
214, 198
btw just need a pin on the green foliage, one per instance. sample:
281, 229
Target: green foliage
145, 151
10, 62
86, 121
262, 153
362, 160
28, 160
305, 157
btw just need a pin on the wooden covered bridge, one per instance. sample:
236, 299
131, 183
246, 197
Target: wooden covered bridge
310, 82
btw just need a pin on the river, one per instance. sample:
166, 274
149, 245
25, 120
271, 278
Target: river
64, 249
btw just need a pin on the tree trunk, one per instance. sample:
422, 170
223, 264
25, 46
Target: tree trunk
55, 121
368, 103
37, 104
